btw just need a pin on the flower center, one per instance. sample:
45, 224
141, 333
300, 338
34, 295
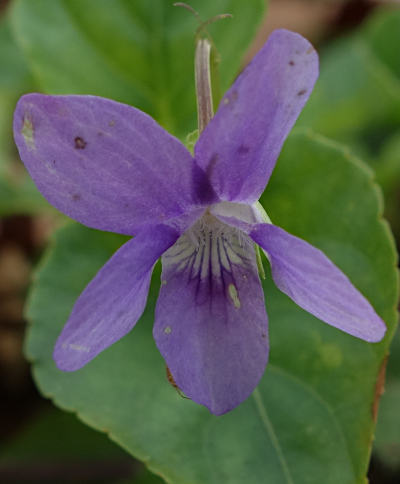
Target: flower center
209, 230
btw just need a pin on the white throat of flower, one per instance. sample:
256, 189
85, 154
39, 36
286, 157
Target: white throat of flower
212, 248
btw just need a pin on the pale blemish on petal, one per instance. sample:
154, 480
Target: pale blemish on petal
76, 347
27, 132
167, 330
233, 294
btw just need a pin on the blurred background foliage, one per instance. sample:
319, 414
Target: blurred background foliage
142, 55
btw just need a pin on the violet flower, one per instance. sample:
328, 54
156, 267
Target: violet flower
112, 167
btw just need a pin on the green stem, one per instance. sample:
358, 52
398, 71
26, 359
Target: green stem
205, 109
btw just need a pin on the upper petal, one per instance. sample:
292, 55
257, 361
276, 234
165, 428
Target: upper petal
113, 301
105, 164
308, 277
239, 147
211, 323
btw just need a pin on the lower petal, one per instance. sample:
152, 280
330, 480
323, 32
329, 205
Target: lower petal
113, 301
211, 325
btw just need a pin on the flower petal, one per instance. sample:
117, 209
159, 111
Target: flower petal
211, 325
113, 301
239, 147
308, 277
105, 164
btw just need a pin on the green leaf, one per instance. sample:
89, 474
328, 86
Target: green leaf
14, 75
55, 441
382, 33
57, 436
359, 84
140, 52
387, 441
311, 418
18, 194
386, 165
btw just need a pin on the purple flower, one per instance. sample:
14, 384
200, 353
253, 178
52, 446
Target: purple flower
112, 167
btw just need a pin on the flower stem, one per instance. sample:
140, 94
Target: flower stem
205, 109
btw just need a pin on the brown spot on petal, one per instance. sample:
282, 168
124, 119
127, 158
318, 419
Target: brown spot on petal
111, 123
302, 92
310, 50
76, 197
243, 149
291, 63
172, 382
80, 143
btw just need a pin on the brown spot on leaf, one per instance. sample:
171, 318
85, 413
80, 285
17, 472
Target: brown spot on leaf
172, 382
379, 387
80, 143
302, 92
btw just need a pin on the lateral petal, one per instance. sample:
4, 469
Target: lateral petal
105, 164
308, 277
113, 301
211, 324
239, 147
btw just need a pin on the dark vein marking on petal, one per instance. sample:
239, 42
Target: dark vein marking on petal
211, 164
211, 256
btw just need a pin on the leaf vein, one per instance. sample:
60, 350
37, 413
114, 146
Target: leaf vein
261, 408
